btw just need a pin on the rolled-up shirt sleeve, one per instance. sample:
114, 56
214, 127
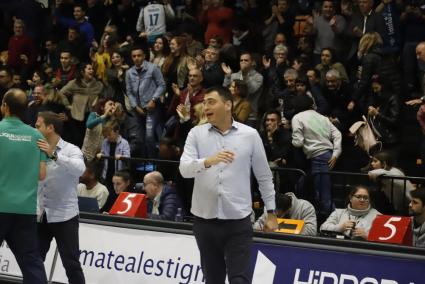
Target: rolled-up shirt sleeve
263, 173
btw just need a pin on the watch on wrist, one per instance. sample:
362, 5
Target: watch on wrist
54, 156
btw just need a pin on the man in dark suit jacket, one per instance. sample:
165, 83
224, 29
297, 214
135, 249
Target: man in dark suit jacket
165, 201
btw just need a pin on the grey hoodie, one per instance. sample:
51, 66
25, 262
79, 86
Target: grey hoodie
300, 210
419, 236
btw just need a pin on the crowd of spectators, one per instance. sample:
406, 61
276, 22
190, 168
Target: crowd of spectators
127, 78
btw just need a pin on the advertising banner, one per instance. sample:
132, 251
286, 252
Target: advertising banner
9, 266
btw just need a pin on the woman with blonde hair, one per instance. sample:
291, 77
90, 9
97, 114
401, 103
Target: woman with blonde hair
373, 61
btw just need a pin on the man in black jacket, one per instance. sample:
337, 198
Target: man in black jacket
212, 72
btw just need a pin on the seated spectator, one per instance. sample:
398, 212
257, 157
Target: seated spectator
241, 107
355, 221
165, 201
121, 182
321, 143
288, 206
327, 58
253, 79
90, 187
397, 191
417, 210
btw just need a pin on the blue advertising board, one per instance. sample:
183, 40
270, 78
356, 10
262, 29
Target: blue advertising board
299, 265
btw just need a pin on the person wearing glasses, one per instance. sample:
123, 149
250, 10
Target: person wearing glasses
354, 221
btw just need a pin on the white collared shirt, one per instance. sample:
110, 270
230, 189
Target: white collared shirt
57, 193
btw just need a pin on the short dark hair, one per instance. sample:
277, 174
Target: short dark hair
17, 104
273, 111
224, 93
125, 175
144, 48
82, 6
419, 193
302, 103
51, 118
283, 202
385, 157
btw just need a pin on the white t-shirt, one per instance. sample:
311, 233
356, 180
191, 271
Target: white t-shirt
152, 19
99, 191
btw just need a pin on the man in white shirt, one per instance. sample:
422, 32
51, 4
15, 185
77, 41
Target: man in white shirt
57, 196
220, 155
90, 187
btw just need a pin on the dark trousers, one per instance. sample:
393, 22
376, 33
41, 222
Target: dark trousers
19, 231
66, 236
225, 246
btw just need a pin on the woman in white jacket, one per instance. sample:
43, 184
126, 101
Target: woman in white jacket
356, 220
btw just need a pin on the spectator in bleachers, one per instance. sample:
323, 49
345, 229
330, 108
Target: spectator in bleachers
82, 92
194, 47
75, 45
417, 210
284, 93
121, 182
288, 206
66, 71
281, 20
275, 67
253, 79
218, 20
397, 191
384, 113
116, 147
153, 18
97, 14
211, 70
100, 55
176, 67
321, 143
183, 105
302, 88
89, 186
115, 79
22, 50
145, 85
276, 139
79, 20
159, 51
51, 53
327, 58
313, 76
338, 94
390, 13
355, 221
164, 198
102, 113
241, 106
327, 29
244, 40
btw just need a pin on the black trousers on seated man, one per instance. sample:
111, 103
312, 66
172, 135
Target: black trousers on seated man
18, 230
225, 246
66, 236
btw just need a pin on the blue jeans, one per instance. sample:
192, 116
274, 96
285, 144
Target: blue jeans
151, 128
322, 182
20, 233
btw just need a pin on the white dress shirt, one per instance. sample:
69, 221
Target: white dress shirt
223, 191
57, 193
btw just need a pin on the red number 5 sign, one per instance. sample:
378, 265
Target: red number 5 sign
130, 204
391, 229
